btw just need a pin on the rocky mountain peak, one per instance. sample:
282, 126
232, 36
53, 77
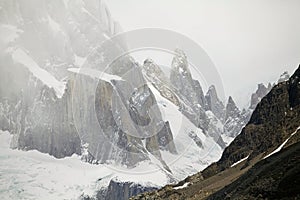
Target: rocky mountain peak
213, 103
234, 119
261, 91
148, 61
269, 86
260, 163
273, 121
153, 71
230, 100
188, 90
284, 77
212, 91
231, 109
179, 53
180, 63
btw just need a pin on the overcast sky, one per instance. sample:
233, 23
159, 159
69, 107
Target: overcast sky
249, 41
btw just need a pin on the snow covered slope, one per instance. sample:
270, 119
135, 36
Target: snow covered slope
19, 56
34, 175
45, 42
195, 149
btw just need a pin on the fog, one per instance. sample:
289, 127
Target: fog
249, 41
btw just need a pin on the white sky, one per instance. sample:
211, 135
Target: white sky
250, 41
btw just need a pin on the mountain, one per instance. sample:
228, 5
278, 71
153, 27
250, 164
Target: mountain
276, 177
235, 119
271, 123
42, 40
62, 100
188, 90
261, 91
214, 104
284, 77
261, 162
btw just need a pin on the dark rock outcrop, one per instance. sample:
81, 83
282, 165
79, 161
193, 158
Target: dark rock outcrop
275, 122
118, 190
276, 177
272, 122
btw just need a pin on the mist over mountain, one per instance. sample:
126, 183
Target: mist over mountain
74, 125
260, 163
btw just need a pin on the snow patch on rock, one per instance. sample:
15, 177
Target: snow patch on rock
19, 56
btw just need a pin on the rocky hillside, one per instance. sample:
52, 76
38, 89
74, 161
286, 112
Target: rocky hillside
276, 177
272, 122
274, 125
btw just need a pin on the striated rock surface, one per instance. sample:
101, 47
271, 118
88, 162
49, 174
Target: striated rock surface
118, 190
35, 116
46, 124
46, 38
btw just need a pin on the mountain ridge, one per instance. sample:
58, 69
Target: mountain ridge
274, 125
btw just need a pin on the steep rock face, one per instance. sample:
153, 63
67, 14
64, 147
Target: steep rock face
51, 37
235, 119
262, 161
263, 90
9, 99
166, 140
215, 129
181, 77
188, 90
214, 104
50, 127
44, 39
124, 130
256, 97
283, 77
272, 122
199, 92
157, 77
35, 116
4, 116
46, 123
231, 109
185, 92
118, 190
